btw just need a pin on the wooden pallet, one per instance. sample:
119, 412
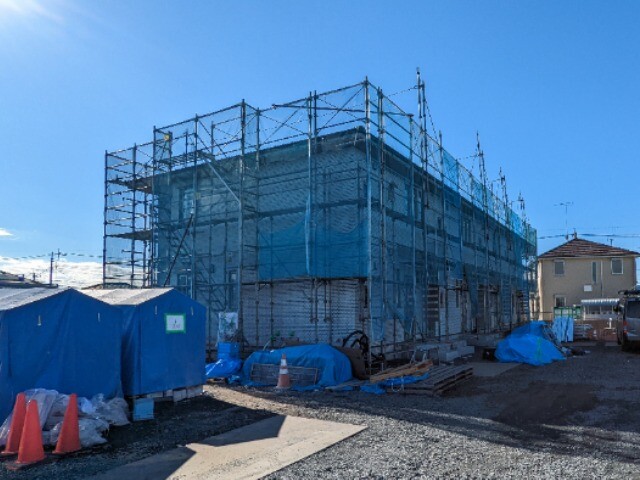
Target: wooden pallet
410, 369
441, 379
175, 395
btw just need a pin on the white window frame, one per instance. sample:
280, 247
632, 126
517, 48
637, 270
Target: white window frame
555, 270
621, 266
555, 301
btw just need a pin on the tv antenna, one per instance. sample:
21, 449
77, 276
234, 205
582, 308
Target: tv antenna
566, 206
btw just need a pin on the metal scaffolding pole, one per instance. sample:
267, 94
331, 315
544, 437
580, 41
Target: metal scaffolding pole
367, 124
424, 158
445, 243
383, 212
485, 207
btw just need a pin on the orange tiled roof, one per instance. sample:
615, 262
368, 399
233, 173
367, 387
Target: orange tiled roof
578, 247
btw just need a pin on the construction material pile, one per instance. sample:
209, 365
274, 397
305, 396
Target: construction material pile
311, 367
95, 416
533, 343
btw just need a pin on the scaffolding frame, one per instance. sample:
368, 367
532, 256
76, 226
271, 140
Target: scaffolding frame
197, 208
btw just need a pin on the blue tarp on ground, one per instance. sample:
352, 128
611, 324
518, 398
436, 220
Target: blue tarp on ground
563, 329
395, 384
532, 343
60, 340
163, 342
228, 363
334, 366
223, 368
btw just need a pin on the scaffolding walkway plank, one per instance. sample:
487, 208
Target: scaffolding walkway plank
441, 379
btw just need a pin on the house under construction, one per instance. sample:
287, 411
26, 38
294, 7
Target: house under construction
318, 217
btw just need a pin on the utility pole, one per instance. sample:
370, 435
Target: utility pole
51, 267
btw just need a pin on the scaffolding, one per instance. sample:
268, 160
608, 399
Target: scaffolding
314, 218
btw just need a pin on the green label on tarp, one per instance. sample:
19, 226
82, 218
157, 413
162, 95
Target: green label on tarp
175, 322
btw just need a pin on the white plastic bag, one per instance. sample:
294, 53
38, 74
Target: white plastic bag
45, 399
114, 411
53, 405
90, 429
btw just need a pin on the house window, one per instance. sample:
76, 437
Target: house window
559, 267
187, 203
466, 231
616, 266
594, 272
184, 283
232, 284
560, 300
391, 195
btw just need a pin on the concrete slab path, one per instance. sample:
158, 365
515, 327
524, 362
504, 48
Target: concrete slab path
249, 452
490, 369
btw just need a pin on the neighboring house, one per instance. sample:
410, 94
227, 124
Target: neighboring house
10, 280
580, 269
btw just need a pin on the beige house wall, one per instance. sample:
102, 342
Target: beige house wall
577, 280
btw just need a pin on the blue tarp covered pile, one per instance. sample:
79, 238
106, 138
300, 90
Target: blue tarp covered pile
533, 343
57, 339
333, 366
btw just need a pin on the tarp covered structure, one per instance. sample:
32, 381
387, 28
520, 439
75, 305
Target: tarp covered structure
532, 343
163, 338
57, 339
333, 366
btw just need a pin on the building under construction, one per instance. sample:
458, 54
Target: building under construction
319, 217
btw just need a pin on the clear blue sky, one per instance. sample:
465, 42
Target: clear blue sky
553, 88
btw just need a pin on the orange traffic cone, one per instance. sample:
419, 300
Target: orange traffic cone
284, 380
15, 429
69, 438
31, 450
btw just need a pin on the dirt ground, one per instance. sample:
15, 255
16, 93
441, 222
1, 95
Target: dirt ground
574, 419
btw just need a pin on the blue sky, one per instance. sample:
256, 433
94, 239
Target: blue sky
552, 87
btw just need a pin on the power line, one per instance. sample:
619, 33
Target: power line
46, 255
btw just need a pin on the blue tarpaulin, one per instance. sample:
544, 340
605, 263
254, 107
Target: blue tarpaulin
163, 342
563, 328
228, 363
60, 340
334, 366
223, 368
532, 343
394, 383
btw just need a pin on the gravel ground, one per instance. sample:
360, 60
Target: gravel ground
574, 419
179, 424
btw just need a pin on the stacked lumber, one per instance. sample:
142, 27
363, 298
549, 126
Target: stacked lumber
410, 369
441, 379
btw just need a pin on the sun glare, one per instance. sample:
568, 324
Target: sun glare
27, 8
